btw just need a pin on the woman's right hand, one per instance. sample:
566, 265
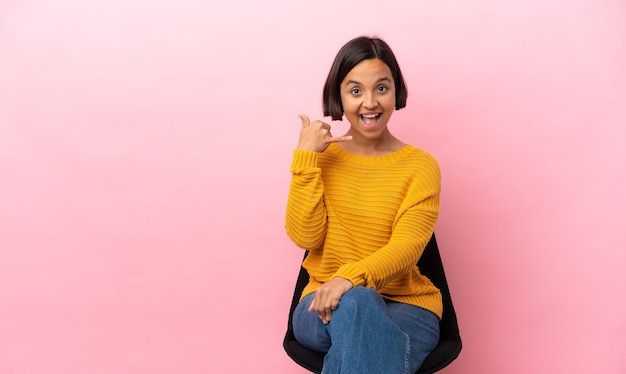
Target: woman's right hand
327, 297
315, 136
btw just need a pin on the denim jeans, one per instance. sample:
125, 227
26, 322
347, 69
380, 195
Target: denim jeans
368, 335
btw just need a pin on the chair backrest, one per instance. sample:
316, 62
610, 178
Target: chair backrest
449, 345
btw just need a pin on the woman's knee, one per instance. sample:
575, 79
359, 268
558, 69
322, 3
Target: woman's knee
360, 296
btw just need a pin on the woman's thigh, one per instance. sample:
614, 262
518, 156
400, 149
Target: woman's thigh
308, 328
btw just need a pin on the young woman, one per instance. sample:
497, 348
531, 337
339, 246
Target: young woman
364, 205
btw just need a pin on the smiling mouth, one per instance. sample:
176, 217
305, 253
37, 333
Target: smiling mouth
370, 116
370, 120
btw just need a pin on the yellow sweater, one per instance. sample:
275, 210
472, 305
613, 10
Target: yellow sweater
366, 219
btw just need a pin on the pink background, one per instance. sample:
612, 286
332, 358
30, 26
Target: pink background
144, 163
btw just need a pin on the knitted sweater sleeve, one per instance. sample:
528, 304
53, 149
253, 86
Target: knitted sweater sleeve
306, 215
412, 228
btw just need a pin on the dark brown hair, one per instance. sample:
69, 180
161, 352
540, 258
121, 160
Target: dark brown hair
351, 54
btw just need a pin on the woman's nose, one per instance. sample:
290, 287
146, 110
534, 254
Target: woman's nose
369, 101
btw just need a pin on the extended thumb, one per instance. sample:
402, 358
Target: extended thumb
305, 119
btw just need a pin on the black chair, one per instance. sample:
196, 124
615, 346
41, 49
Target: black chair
447, 349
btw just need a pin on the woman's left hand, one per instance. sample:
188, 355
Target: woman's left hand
327, 297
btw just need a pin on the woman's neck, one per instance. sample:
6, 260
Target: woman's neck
381, 146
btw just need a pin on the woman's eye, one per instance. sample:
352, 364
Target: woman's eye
382, 89
355, 91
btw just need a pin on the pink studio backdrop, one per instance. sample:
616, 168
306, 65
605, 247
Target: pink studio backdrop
144, 163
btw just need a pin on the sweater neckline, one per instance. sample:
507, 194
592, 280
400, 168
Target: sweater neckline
370, 160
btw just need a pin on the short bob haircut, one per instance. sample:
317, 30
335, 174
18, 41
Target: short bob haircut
350, 55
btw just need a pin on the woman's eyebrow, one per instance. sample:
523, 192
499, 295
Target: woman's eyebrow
383, 79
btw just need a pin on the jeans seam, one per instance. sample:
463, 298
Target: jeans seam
407, 356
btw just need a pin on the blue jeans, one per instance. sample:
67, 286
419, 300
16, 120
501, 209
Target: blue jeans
368, 335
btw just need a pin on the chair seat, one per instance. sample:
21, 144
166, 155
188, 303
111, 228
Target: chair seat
445, 352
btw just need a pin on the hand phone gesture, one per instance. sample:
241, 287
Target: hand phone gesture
315, 136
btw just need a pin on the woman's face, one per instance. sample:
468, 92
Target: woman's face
368, 97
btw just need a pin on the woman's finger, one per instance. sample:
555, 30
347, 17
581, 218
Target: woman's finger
305, 120
335, 139
319, 304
